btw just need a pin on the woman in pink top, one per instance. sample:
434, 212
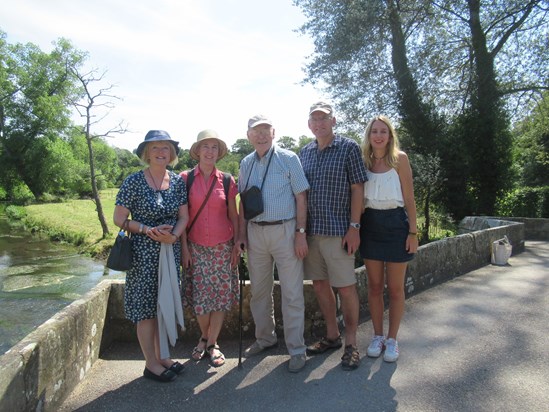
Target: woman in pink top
210, 255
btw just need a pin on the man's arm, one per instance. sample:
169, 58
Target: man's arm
352, 237
300, 242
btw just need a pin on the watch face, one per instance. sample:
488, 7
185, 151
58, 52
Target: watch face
355, 225
300, 230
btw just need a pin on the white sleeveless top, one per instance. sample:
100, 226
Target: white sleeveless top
383, 190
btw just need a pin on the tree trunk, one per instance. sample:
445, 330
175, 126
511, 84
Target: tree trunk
415, 118
487, 140
95, 192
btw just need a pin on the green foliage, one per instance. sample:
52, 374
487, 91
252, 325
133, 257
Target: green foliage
426, 64
55, 169
525, 202
287, 142
303, 141
35, 109
20, 194
531, 146
242, 147
15, 212
186, 162
128, 163
230, 164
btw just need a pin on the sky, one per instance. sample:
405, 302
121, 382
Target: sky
182, 65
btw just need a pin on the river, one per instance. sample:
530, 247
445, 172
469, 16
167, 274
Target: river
37, 279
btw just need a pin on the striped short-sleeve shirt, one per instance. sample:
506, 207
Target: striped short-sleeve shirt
285, 179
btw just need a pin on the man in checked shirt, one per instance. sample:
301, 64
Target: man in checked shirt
336, 173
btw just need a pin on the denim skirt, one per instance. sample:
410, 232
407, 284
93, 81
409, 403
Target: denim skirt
383, 235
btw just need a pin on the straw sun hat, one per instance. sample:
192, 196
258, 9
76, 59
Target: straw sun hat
204, 135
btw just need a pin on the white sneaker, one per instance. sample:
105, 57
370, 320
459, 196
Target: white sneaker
376, 346
391, 350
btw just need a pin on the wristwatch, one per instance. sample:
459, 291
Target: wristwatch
355, 225
300, 230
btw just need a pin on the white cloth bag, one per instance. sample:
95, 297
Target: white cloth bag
169, 308
501, 251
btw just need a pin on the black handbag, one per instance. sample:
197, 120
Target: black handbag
251, 198
120, 256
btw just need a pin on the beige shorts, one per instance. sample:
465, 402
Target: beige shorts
327, 259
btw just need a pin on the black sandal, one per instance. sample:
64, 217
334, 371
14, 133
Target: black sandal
198, 353
351, 358
219, 359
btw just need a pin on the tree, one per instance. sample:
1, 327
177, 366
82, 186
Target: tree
532, 146
36, 88
287, 142
377, 56
242, 147
95, 97
302, 142
128, 163
428, 182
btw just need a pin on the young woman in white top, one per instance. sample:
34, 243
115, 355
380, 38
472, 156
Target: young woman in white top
388, 234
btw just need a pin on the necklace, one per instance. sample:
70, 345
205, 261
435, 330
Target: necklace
379, 158
159, 198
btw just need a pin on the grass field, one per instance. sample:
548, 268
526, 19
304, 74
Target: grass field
75, 221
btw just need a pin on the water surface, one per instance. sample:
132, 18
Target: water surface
37, 279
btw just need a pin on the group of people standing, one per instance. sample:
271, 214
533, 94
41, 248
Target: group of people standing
320, 206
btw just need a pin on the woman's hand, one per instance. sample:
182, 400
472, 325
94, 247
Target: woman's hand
185, 256
411, 243
162, 234
235, 256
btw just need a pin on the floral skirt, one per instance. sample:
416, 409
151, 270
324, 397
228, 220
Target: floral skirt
210, 283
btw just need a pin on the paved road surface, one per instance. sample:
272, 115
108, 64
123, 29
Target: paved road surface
476, 343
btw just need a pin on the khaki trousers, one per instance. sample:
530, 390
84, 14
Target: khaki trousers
268, 245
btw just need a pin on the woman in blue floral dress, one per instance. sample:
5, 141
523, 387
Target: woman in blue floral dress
156, 198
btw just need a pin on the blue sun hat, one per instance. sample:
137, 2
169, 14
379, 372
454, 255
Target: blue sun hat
156, 136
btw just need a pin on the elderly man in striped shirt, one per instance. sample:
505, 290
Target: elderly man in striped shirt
277, 235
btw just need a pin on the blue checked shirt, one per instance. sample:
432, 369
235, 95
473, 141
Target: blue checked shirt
331, 172
285, 179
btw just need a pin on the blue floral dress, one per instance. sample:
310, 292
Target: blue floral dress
152, 208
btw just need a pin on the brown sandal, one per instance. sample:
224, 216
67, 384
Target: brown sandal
199, 353
351, 358
323, 345
217, 360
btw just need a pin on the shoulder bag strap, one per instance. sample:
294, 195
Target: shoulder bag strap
249, 174
267, 169
203, 204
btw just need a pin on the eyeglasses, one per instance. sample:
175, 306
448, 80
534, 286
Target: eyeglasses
320, 119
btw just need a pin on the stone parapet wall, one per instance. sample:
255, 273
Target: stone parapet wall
39, 372
434, 263
534, 228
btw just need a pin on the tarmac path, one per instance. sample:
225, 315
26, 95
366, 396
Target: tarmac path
475, 343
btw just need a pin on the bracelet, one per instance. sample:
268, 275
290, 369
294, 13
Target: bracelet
412, 233
141, 226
